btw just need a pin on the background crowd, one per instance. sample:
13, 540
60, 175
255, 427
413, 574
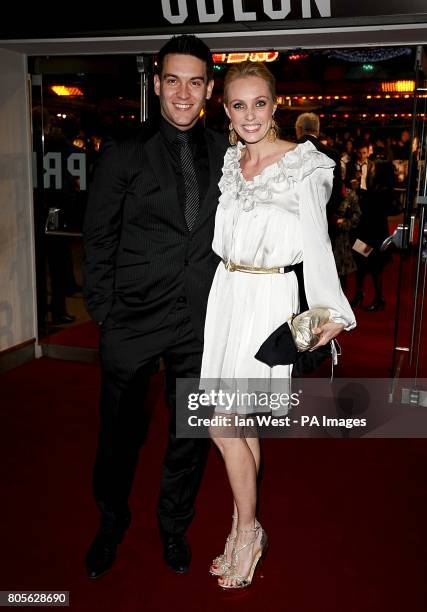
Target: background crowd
369, 186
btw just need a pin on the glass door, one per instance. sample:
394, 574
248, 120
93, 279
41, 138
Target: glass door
409, 359
78, 103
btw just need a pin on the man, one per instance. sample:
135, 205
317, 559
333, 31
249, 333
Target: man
148, 270
58, 248
307, 127
360, 170
402, 149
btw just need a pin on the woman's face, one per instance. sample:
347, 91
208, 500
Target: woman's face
250, 108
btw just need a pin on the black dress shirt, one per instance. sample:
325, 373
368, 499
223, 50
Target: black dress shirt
199, 150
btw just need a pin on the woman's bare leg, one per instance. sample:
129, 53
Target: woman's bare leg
242, 458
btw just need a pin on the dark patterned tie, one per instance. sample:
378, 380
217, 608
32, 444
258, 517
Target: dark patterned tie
191, 207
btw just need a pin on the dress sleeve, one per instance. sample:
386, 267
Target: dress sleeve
321, 282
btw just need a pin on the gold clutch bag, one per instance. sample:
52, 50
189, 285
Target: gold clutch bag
302, 326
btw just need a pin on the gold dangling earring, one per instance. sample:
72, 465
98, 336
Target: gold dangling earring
232, 136
273, 132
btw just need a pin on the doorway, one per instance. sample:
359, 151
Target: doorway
79, 102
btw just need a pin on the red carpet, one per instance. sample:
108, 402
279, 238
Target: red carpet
346, 518
85, 335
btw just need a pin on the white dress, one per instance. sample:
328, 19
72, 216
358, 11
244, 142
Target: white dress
276, 219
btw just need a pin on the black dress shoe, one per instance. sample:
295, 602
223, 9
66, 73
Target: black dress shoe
177, 553
101, 555
63, 319
357, 300
377, 304
102, 552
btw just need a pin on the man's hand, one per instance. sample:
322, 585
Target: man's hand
327, 332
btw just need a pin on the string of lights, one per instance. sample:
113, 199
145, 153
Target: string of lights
282, 100
338, 115
370, 115
368, 55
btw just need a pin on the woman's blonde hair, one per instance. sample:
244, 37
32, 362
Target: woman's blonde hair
245, 69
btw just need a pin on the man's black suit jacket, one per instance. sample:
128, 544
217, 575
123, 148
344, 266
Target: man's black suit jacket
139, 256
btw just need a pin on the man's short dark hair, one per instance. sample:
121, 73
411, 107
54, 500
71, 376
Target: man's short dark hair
186, 44
361, 144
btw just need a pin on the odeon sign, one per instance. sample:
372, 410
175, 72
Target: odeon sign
270, 10
225, 16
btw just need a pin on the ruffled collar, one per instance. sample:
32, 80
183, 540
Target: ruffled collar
292, 166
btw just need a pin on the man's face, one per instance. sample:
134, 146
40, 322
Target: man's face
182, 88
363, 154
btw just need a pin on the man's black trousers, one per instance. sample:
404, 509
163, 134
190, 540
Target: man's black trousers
128, 359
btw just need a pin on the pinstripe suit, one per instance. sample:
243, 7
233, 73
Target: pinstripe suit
147, 278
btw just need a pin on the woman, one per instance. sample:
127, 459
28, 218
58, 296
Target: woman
344, 222
376, 202
271, 213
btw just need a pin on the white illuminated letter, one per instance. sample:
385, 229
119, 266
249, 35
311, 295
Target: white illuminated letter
280, 13
204, 16
78, 169
52, 170
182, 11
324, 7
239, 13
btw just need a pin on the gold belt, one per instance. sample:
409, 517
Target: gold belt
232, 267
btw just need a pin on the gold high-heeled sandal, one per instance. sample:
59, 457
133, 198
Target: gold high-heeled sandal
231, 572
220, 563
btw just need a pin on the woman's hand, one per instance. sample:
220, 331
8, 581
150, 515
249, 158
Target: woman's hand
327, 332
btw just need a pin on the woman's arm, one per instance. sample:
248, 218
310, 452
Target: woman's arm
322, 284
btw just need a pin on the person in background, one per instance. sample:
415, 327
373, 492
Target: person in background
307, 127
402, 148
373, 229
358, 170
347, 157
59, 140
346, 220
